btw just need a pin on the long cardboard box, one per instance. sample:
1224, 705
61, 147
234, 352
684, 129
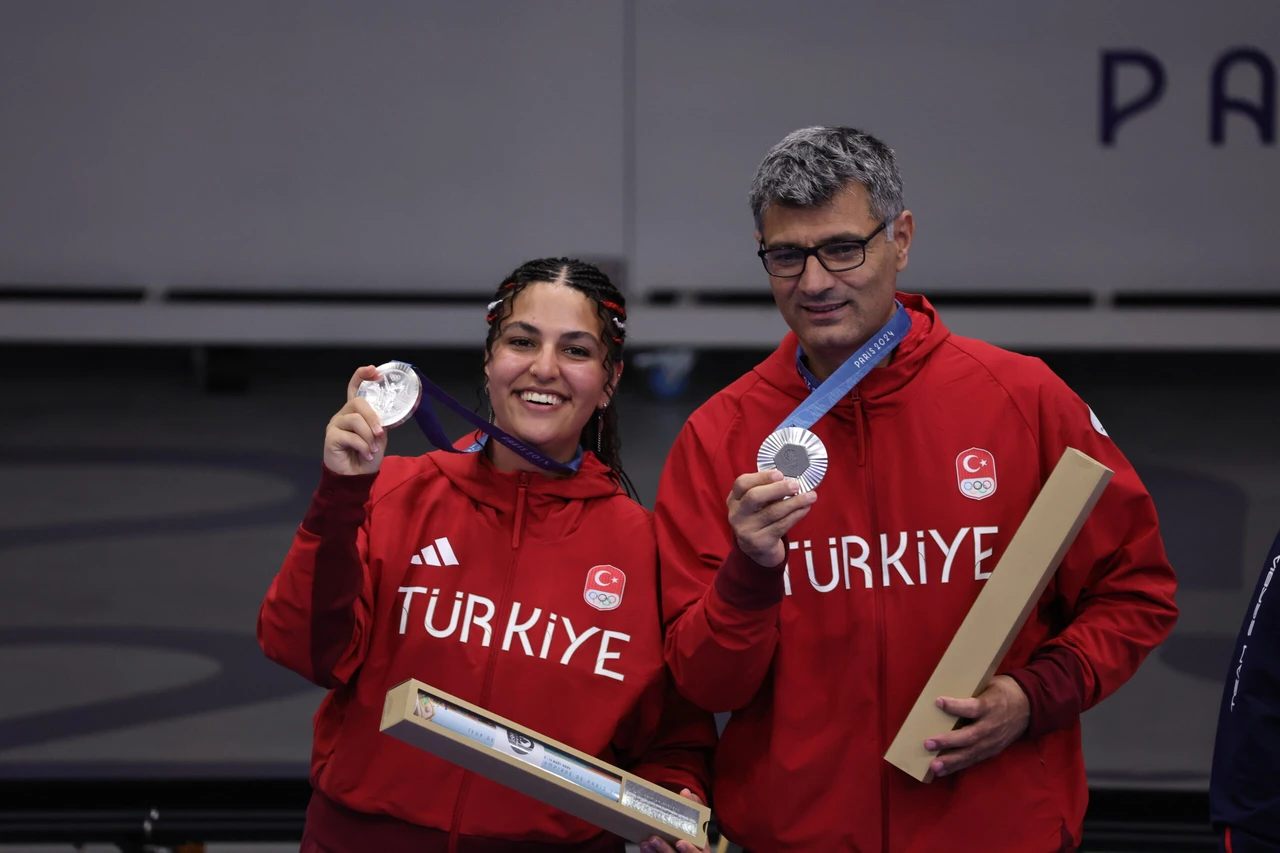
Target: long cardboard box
545, 769
1001, 609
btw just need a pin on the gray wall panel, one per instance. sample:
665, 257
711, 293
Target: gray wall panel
993, 109
331, 144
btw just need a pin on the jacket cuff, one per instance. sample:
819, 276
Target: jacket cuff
747, 585
674, 779
1054, 684
339, 498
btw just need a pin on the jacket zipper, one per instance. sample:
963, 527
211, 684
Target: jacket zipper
520, 495
860, 430
864, 440
503, 605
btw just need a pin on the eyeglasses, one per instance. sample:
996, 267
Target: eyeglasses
840, 256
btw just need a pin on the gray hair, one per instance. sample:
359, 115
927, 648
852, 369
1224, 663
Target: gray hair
809, 166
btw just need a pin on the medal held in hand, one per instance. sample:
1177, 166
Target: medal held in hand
797, 453
402, 390
792, 448
395, 396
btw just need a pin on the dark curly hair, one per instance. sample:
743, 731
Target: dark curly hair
600, 435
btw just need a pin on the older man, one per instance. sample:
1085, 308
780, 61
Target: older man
817, 615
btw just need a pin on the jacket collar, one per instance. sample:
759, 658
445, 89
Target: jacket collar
785, 370
474, 475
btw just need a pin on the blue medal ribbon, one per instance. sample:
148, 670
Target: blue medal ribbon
853, 371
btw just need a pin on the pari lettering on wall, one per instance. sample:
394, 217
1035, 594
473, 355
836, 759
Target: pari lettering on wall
1239, 70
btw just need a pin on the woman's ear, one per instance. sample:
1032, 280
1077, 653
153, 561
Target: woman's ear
611, 386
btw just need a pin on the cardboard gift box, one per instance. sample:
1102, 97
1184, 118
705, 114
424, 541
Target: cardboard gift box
545, 769
1001, 609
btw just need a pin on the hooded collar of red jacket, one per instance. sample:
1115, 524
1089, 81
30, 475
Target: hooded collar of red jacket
888, 385
474, 475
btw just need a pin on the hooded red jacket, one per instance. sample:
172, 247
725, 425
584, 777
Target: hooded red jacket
443, 569
821, 664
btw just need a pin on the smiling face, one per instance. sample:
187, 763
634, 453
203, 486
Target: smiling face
835, 313
546, 372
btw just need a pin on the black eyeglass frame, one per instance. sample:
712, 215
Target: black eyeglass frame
814, 251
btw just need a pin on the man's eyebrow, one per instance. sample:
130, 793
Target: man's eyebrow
842, 237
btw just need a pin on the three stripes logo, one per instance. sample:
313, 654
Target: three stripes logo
434, 555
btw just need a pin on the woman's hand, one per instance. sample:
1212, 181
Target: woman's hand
657, 845
354, 441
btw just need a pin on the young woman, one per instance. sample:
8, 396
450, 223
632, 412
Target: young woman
533, 595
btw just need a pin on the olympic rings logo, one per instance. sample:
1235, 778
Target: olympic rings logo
979, 487
605, 600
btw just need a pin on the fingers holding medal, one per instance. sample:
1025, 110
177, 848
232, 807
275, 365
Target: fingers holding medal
393, 391
355, 441
765, 505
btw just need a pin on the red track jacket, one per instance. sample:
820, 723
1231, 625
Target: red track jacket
480, 583
934, 462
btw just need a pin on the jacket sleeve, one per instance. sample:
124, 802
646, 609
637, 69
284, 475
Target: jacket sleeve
1115, 579
679, 753
316, 615
664, 738
721, 607
1244, 792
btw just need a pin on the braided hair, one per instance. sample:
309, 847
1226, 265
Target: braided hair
600, 435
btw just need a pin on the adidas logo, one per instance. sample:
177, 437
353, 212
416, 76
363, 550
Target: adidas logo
433, 554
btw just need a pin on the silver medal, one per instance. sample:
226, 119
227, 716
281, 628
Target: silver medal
395, 396
797, 453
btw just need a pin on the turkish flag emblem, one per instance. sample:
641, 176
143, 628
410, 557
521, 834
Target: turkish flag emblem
604, 587
976, 473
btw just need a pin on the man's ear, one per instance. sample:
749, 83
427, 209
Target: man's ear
904, 229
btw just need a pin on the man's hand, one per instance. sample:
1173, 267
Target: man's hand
761, 514
657, 845
1000, 715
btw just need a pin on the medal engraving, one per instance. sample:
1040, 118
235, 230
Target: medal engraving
797, 453
395, 396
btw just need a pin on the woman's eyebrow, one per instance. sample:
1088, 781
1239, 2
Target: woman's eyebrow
579, 336
527, 328
530, 329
